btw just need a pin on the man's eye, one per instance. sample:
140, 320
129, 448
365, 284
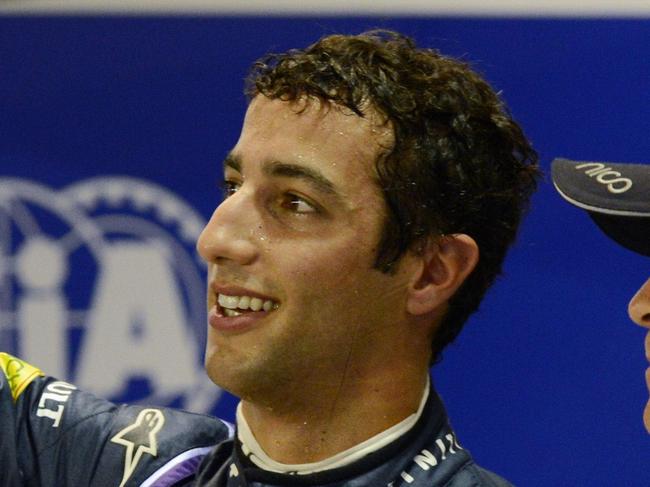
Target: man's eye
296, 204
229, 188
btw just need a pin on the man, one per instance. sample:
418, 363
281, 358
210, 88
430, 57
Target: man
368, 177
617, 197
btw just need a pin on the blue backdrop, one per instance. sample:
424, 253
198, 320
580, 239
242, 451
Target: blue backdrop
546, 383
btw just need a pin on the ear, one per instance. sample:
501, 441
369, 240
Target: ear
445, 263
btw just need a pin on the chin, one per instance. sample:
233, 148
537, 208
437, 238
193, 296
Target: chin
215, 368
224, 374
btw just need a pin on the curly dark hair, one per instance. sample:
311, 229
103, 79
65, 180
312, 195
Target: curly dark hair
459, 162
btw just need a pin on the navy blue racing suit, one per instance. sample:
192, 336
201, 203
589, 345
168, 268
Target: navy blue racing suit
52, 434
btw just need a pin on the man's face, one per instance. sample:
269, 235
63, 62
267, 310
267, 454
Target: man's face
298, 234
639, 310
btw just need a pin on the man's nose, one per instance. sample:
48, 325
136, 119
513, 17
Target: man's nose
639, 307
229, 235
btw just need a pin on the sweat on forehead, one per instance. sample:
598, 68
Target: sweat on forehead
317, 115
320, 107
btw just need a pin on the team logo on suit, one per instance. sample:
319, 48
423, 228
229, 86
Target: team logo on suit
139, 438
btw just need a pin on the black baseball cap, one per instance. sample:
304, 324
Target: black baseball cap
616, 196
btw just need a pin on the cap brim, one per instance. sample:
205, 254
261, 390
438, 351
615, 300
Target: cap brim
616, 196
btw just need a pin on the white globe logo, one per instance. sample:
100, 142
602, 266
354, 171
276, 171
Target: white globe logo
100, 285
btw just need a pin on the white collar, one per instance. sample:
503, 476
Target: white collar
258, 456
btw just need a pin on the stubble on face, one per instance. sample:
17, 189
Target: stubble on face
334, 303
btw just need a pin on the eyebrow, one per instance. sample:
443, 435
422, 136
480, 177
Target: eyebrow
311, 176
232, 161
288, 170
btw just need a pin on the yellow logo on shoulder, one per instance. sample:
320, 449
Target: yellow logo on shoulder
19, 373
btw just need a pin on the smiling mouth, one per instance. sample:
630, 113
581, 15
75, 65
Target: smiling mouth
232, 306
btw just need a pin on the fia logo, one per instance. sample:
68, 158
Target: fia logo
100, 285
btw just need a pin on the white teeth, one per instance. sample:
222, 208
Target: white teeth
244, 302
231, 312
228, 301
232, 303
256, 304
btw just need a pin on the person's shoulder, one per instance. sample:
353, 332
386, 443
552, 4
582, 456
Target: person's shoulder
471, 475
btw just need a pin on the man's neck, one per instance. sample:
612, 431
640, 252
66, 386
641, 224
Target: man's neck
335, 420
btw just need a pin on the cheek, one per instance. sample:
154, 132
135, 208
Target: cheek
343, 289
334, 266
330, 267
